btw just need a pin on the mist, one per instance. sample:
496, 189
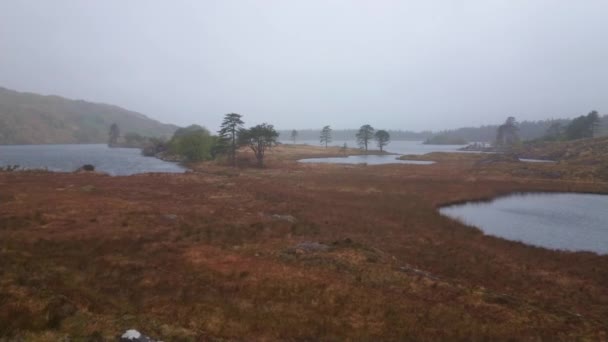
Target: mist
425, 65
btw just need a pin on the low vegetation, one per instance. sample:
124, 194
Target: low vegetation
289, 252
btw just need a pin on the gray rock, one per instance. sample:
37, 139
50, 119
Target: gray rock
287, 218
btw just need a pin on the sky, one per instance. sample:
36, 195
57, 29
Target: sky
411, 65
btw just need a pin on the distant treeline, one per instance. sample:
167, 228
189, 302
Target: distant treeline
528, 130
350, 134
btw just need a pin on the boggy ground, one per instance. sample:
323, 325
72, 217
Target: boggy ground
225, 254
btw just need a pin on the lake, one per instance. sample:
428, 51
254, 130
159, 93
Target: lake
397, 146
565, 221
365, 159
67, 158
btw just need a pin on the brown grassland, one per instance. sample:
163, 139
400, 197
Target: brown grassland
200, 256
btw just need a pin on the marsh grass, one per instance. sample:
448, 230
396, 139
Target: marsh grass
88, 265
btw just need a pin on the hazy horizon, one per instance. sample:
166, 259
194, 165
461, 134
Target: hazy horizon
413, 66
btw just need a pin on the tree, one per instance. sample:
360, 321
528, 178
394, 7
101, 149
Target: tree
258, 138
114, 135
365, 135
382, 139
555, 131
194, 143
585, 126
325, 137
506, 134
228, 135
593, 122
294, 135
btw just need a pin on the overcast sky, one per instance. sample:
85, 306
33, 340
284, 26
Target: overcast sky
304, 64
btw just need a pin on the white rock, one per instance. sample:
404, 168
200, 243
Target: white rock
131, 334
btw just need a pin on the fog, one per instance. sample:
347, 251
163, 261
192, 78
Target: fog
393, 64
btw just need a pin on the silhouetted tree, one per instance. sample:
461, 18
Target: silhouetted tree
294, 136
258, 138
506, 135
228, 135
325, 137
555, 131
365, 135
593, 120
114, 134
585, 126
382, 139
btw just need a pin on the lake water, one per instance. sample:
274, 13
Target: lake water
566, 221
367, 159
67, 158
398, 146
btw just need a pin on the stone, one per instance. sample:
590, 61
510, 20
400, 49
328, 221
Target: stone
287, 218
86, 168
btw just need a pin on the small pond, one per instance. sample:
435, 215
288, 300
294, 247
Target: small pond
365, 159
566, 221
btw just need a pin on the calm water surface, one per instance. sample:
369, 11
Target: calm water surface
367, 159
574, 222
67, 158
399, 147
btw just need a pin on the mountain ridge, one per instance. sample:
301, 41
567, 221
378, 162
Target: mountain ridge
31, 118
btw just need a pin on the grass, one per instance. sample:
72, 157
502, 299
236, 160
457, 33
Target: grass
199, 257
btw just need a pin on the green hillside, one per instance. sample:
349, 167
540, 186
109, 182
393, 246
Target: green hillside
27, 118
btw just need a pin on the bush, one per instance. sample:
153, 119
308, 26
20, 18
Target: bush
194, 145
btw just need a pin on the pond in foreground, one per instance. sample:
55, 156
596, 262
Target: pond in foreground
566, 221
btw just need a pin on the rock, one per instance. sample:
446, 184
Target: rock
133, 335
287, 218
86, 168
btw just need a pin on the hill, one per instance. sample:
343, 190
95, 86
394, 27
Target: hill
28, 118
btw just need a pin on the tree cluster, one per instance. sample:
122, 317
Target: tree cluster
584, 126
364, 137
259, 138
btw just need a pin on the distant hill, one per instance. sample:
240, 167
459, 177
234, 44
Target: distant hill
28, 118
